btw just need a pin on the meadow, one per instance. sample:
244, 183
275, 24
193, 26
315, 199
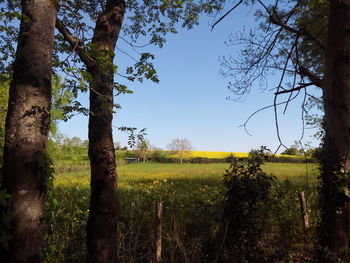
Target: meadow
192, 196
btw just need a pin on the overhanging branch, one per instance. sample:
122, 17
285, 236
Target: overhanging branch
302, 86
316, 80
75, 43
226, 14
274, 19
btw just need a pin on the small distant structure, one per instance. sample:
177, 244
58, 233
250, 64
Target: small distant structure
132, 160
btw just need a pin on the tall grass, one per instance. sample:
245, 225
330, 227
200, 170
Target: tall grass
192, 200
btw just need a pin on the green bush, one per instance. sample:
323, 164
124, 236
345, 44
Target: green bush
160, 156
246, 205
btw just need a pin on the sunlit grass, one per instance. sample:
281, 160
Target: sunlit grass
149, 172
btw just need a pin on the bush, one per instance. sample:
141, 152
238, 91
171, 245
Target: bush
201, 160
245, 217
160, 156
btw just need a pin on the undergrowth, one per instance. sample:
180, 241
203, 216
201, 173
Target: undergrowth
192, 216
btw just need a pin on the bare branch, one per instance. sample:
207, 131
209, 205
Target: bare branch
302, 86
127, 54
133, 45
226, 14
244, 125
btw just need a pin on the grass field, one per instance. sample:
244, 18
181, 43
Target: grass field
297, 173
192, 199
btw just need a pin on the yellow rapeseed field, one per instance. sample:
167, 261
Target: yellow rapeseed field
208, 154
222, 155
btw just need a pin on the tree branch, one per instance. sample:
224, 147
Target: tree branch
274, 19
244, 125
226, 14
302, 86
75, 43
316, 80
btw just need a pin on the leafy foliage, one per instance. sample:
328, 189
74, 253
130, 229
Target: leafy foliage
246, 203
145, 21
334, 197
4, 93
133, 137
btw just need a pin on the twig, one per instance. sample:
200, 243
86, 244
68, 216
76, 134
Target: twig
226, 14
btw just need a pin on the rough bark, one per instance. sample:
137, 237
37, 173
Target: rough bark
335, 205
102, 222
27, 128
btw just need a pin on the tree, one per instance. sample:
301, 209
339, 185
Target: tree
25, 169
181, 146
143, 147
102, 222
293, 150
117, 145
335, 166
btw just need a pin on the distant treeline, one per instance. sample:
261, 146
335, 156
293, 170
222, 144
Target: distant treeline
72, 152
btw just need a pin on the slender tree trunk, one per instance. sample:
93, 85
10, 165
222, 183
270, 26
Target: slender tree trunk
158, 233
27, 128
102, 222
335, 203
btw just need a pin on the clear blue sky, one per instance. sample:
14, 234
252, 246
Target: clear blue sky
190, 100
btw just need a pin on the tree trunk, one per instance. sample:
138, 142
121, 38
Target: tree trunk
158, 233
27, 128
335, 203
102, 222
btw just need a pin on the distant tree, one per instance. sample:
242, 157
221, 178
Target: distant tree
181, 146
256, 154
293, 149
117, 145
143, 147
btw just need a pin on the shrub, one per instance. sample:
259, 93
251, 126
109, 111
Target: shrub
160, 156
200, 160
246, 203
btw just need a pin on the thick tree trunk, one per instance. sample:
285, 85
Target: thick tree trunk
335, 172
102, 222
27, 128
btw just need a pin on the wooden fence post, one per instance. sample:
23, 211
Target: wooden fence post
304, 213
158, 232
